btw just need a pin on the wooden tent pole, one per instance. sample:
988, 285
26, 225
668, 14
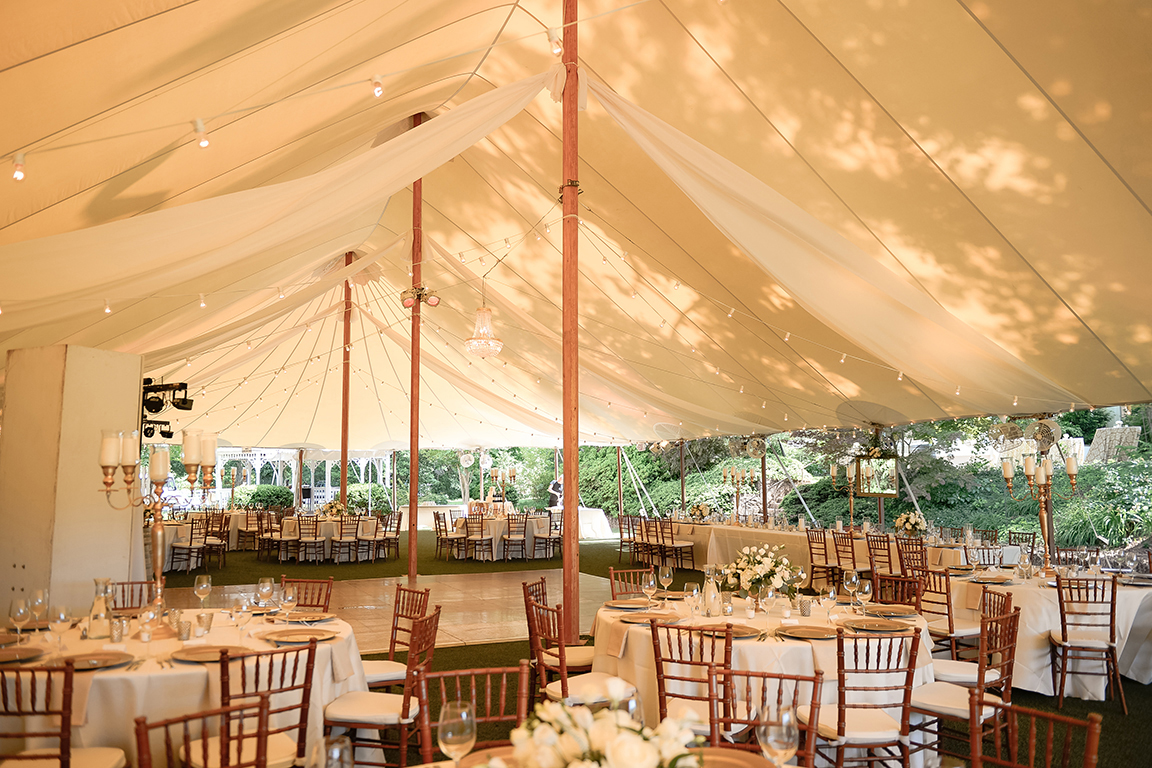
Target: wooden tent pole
345, 386
414, 387
682, 500
571, 332
619, 485
298, 486
764, 487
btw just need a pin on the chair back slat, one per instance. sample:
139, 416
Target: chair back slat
285, 674
627, 582
310, 593
683, 656
488, 690
741, 699
1052, 739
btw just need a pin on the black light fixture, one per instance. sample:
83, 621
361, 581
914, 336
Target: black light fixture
157, 397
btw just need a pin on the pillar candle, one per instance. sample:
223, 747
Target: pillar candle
1009, 471
1029, 466
208, 449
832, 470
1071, 466
1048, 467
1041, 475
158, 465
868, 471
192, 446
851, 470
110, 449
130, 448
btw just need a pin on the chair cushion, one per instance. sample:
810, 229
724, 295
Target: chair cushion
861, 726
589, 688
82, 757
509, 537
281, 752
947, 700
385, 671
961, 672
1082, 638
370, 708
575, 655
961, 627
696, 714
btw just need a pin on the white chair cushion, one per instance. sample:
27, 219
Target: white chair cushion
696, 714
385, 671
589, 688
961, 672
371, 708
861, 726
1082, 638
509, 537
575, 655
82, 757
947, 700
281, 752
961, 627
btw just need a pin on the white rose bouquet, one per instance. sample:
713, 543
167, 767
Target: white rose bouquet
699, 512
759, 567
333, 509
559, 736
911, 523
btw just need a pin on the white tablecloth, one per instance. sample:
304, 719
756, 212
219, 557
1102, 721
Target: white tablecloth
106, 702
625, 650
593, 523
496, 527
1040, 612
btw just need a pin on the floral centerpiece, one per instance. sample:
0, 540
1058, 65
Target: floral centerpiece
759, 567
699, 513
559, 736
333, 509
911, 523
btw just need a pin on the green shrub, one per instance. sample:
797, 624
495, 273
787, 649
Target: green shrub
264, 496
358, 497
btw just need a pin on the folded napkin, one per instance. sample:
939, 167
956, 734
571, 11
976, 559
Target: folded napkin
972, 596
789, 621
195, 641
115, 647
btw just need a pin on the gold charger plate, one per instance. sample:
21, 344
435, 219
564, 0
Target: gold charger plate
1001, 580
302, 635
631, 604
206, 654
20, 653
806, 632
738, 630
671, 595
645, 616
890, 610
307, 617
99, 660
481, 756
875, 625
719, 757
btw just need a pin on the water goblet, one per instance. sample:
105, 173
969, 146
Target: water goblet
648, 587
692, 596
38, 604
779, 738
288, 598
264, 589
852, 583
202, 589
20, 614
828, 602
241, 615
665, 576
59, 622
864, 593
456, 733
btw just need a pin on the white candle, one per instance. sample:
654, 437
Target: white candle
130, 448
158, 465
741, 475
868, 471
110, 449
1029, 466
1070, 466
832, 470
1009, 470
192, 446
208, 449
725, 474
1041, 476
1048, 467
851, 470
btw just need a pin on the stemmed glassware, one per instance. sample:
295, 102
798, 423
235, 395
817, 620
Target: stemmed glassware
148, 617
20, 615
779, 739
38, 604
59, 622
864, 593
288, 598
456, 733
202, 589
852, 583
692, 596
264, 589
828, 602
665, 576
648, 587
241, 614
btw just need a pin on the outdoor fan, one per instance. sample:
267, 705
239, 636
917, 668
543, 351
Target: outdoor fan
735, 446
485, 461
1045, 432
467, 459
757, 448
1006, 437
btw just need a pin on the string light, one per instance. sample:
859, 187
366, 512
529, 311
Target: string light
107, 307
377, 86
764, 404
900, 377
547, 229
785, 417
605, 259
1015, 400
461, 257
554, 41
201, 133
676, 285
281, 292
202, 304
787, 336
507, 243
741, 389
731, 311
843, 357
537, 235
633, 293
957, 389
18, 167
663, 323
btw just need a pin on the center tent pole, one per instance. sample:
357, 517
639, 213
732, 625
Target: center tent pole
414, 387
619, 486
682, 504
571, 330
345, 386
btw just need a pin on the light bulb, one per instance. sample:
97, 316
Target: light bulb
676, 285
202, 304
201, 133
507, 243
605, 260
377, 86
281, 292
554, 41
1015, 400
787, 336
537, 236
547, 229
900, 377
843, 357
741, 389
957, 389
18, 167
107, 307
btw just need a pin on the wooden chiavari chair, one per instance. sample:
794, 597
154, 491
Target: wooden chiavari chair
913, 554
1072, 555
990, 536
241, 742
897, 590
479, 541
407, 606
191, 553
1045, 742
985, 557
1026, 540
936, 606
447, 539
498, 695
821, 566
758, 695
552, 656
310, 541
677, 550
1087, 633
845, 551
627, 583
517, 536
683, 656
345, 544
130, 596
388, 536
627, 526
880, 555
310, 593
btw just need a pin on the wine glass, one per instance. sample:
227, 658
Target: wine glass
852, 583
202, 589
864, 593
648, 586
767, 597
779, 738
20, 615
457, 731
264, 589
38, 604
288, 598
59, 622
241, 615
828, 602
692, 596
665, 576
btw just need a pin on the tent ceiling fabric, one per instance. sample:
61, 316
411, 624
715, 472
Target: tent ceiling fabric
988, 162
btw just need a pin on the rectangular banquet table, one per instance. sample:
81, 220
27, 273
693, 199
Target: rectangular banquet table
1039, 607
625, 650
106, 702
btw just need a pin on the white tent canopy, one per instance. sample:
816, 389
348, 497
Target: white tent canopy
794, 213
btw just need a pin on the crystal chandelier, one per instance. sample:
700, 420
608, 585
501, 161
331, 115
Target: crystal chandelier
483, 342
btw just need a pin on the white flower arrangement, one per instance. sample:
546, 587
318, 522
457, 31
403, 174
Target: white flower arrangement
333, 509
699, 512
759, 567
911, 523
559, 736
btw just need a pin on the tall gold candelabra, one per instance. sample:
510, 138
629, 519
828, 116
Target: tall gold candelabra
1039, 474
737, 478
850, 486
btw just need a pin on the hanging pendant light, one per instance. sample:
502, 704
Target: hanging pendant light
483, 342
